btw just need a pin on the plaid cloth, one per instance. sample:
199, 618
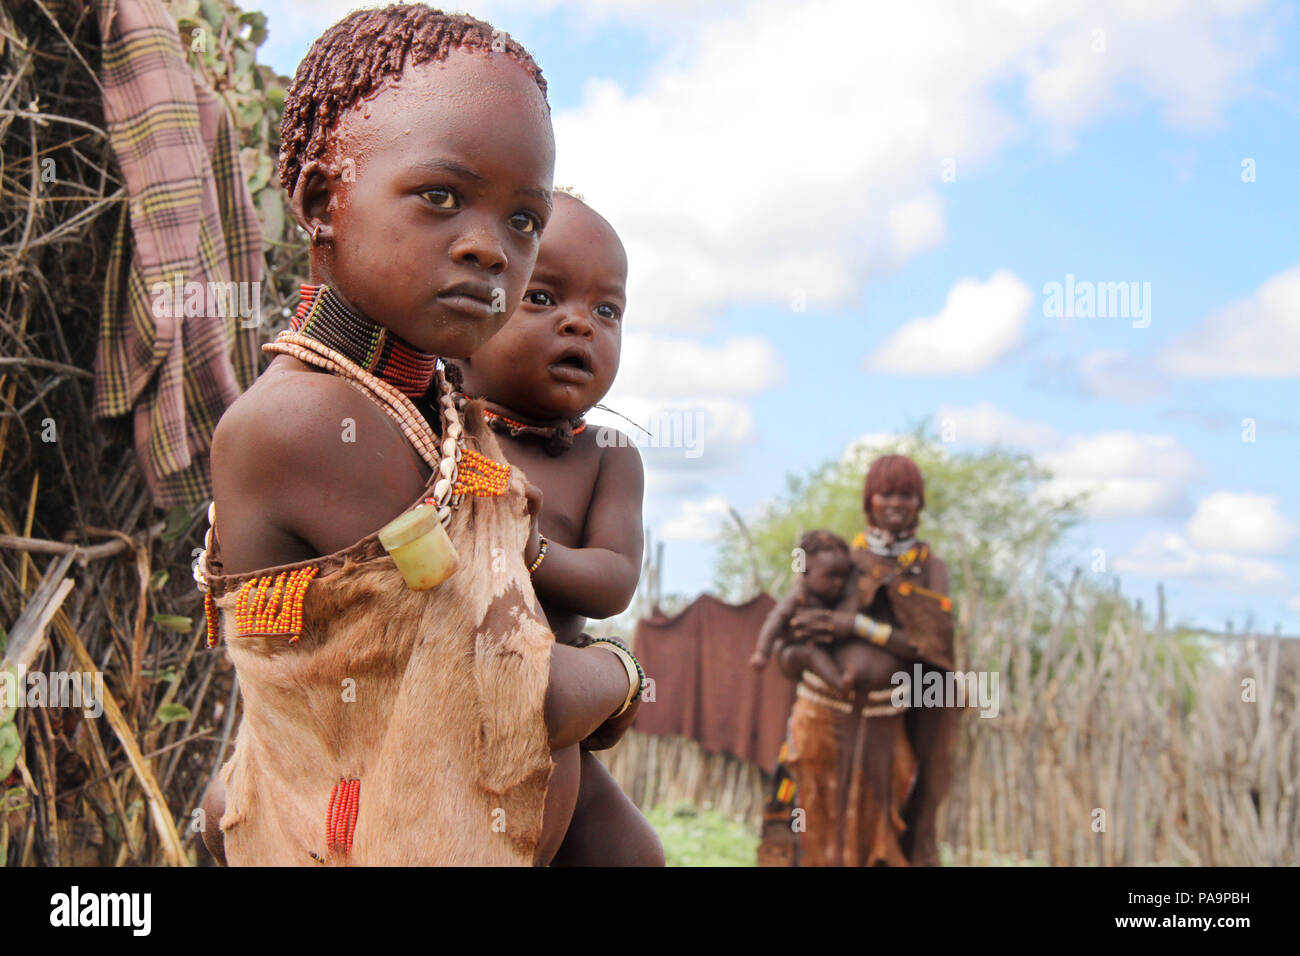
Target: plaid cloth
189, 215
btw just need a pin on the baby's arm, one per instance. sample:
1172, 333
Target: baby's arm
821, 625
778, 619
598, 579
821, 663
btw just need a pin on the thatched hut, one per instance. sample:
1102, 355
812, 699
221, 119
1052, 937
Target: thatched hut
95, 559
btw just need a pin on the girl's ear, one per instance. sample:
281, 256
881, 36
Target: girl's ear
311, 200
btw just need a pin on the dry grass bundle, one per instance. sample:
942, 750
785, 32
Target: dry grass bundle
91, 578
1119, 743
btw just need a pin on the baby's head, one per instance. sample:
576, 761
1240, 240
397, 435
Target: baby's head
417, 151
826, 566
558, 355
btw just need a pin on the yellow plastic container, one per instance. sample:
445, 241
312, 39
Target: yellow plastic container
419, 546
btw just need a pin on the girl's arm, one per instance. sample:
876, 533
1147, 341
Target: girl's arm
587, 686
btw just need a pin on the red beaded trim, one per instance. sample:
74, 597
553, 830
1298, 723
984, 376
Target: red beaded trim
905, 588
341, 818
214, 619
272, 604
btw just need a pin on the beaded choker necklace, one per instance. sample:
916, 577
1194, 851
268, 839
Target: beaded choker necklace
556, 439
888, 544
321, 316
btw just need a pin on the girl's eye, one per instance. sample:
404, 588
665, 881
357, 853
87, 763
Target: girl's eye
607, 311
526, 222
538, 297
442, 198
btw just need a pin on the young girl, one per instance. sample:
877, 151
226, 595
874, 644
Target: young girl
385, 722
555, 359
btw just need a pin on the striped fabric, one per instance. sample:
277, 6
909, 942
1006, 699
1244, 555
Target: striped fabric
189, 219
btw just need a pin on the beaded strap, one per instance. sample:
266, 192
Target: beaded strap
444, 459
400, 408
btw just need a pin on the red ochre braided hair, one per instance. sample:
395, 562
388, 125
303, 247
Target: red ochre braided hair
893, 473
356, 56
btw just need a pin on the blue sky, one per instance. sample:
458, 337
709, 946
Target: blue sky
749, 161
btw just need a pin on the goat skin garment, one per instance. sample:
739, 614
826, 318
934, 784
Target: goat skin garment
853, 775
445, 730
896, 590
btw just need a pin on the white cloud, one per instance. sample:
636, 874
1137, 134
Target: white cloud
1294, 603
1116, 375
878, 443
751, 164
1240, 523
916, 225
696, 520
1166, 555
985, 423
979, 323
1124, 473
659, 365
1257, 337
1080, 71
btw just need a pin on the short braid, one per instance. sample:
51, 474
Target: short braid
357, 55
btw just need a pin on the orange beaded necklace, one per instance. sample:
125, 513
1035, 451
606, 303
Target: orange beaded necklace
556, 439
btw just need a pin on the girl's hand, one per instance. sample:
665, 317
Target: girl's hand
611, 731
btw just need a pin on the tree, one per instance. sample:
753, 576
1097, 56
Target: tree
985, 513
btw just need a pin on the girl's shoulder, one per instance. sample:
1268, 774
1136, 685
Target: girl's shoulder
297, 422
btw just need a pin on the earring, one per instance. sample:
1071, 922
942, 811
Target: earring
315, 234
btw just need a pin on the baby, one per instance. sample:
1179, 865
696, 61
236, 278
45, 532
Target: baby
554, 360
845, 664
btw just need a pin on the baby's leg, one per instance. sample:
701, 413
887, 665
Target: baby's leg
821, 663
561, 798
214, 808
865, 665
607, 829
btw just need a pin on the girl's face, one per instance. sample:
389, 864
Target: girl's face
895, 511
432, 198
